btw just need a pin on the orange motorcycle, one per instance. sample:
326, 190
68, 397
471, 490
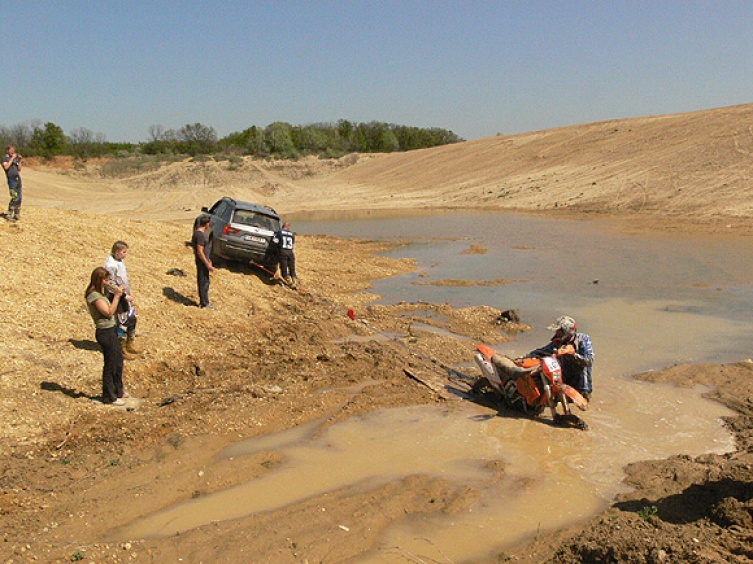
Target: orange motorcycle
529, 385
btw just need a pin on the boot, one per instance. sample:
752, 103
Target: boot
131, 347
16, 214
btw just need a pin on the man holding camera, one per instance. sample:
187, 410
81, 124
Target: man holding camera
12, 166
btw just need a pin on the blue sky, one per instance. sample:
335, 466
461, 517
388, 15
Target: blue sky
478, 68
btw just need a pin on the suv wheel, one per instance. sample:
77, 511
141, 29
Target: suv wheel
217, 260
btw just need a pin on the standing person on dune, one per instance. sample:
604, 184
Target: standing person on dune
203, 263
12, 163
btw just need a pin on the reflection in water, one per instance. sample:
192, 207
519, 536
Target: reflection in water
659, 301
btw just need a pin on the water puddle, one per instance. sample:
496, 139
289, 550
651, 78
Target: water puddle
381, 336
393, 336
568, 475
437, 331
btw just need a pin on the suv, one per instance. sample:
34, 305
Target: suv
241, 231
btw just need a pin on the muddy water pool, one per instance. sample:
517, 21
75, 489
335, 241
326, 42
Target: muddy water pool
647, 302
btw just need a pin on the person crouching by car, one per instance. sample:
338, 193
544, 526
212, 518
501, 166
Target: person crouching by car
103, 312
284, 238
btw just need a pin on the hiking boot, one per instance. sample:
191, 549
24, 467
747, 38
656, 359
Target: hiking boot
131, 348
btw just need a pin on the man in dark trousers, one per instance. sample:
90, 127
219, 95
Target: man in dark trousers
203, 263
285, 241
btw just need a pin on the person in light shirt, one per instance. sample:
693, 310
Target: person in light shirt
115, 265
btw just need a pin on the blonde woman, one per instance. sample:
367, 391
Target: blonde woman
103, 312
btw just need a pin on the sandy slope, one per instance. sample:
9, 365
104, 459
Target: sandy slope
696, 163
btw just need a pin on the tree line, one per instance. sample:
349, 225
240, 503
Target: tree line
278, 139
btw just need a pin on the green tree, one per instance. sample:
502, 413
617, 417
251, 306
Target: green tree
279, 140
84, 143
251, 140
48, 141
345, 132
386, 141
197, 139
256, 141
310, 139
284, 140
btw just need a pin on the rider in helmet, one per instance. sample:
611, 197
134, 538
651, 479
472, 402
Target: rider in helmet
575, 354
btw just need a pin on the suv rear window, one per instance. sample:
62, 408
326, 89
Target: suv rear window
248, 217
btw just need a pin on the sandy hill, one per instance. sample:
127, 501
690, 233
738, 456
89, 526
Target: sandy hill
685, 164
695, 163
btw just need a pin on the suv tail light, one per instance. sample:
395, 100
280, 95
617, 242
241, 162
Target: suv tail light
230, 230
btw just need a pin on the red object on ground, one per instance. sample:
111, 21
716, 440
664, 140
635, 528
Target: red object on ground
352, 314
